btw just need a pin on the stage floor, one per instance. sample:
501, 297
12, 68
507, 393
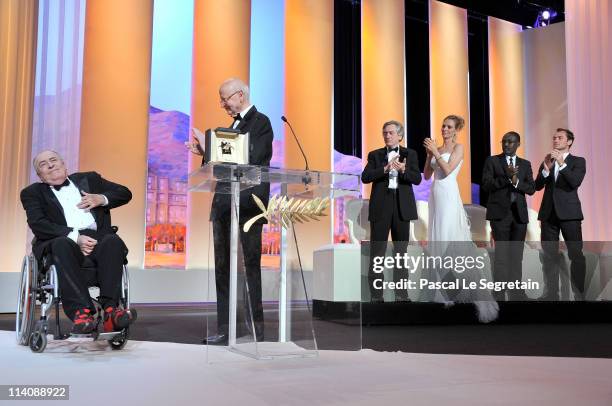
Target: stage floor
154, 373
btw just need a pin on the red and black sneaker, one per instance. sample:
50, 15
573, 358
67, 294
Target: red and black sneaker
84, 322
117, 319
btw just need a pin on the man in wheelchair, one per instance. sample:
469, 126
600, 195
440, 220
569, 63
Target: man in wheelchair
71, 221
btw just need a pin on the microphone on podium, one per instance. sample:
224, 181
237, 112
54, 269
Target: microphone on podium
296, 140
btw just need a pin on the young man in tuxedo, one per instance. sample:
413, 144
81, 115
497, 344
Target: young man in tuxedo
234, 99
70, 218
392, 170
560, 175
508, 178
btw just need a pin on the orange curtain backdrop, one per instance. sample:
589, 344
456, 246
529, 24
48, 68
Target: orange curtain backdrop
383, 71
588, 33
18, 33
506, 82
115, 106
309, 47
448, 54
216, 57
546, 94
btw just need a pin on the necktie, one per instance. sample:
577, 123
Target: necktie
58, 187
389, 150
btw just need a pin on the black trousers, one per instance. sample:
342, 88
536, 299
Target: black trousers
251, 249
391, 221
108, 257
509, 234
572, 233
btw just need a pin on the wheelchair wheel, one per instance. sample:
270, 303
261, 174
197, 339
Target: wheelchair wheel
38, 341
26, 300
120, 340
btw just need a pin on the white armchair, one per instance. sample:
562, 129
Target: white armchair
479, 225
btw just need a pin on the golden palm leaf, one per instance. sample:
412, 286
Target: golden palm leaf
289, 210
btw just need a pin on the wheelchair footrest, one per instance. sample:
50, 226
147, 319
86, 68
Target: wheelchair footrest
108, 336
98, 336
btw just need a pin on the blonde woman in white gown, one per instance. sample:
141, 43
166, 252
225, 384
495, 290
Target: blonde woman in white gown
448, 221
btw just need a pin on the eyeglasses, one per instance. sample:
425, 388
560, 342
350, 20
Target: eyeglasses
224, 100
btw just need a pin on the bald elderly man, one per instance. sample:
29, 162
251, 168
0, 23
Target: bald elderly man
234, 99
70, 218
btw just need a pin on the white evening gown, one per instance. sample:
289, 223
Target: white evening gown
449, 233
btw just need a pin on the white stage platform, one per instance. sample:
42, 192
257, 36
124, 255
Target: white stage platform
147, 373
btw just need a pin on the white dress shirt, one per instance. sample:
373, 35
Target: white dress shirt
557, 168
390, 157
511, 160
79, 219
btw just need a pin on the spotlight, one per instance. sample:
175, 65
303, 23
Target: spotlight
545, 17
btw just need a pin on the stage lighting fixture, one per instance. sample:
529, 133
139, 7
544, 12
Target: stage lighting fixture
545, 17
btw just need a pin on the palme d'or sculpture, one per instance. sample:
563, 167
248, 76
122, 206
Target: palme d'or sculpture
289, 210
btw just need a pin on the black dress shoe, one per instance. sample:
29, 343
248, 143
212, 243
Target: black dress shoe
219, 339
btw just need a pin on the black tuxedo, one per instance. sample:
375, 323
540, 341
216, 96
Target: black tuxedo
374, 173
390, 209
561, 211
562, 194
46, 219
496, 182
260, 153
507, 212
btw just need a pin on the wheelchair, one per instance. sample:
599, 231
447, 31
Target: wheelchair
39, 287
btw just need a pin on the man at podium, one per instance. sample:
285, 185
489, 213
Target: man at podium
234, 98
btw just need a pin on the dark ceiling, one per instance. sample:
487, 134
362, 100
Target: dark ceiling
523, 12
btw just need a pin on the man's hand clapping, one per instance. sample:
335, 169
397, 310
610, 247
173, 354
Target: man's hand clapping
399, 165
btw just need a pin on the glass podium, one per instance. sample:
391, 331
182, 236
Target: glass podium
286, 279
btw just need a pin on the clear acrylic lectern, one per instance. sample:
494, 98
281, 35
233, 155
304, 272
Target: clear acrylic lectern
286, 292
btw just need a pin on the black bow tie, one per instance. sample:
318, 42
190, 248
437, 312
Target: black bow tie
389, 150
58, 187
237, 117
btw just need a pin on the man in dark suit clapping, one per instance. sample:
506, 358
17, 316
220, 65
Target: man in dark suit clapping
234, 99
560, 175
392, 170
508, 178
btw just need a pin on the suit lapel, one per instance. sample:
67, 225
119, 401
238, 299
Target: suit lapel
503, 162
52, 199
245, 120
521, 166
383, 156
568, 162
82, 183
